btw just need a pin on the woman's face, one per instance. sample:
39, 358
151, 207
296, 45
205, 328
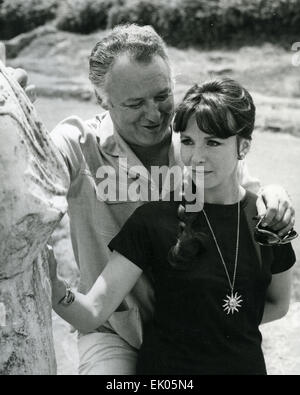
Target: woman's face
217, 158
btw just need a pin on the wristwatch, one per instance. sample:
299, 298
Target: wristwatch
69, 296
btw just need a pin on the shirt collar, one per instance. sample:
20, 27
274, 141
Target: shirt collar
113, 144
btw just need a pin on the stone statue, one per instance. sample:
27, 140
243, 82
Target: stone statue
33, 186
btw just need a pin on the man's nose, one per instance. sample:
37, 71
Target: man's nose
152, 111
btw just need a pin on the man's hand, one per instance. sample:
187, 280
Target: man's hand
22, 77
274, 204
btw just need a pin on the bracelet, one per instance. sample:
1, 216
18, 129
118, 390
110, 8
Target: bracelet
69, 296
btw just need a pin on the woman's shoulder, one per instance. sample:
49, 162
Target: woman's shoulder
156, 210
248, 203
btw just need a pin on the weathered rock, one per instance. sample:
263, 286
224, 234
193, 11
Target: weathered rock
33, 186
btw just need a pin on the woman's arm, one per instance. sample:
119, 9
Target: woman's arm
278, 296
88, 312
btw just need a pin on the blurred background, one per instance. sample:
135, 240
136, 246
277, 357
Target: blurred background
256, 42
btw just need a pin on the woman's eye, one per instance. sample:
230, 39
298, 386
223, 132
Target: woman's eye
162, 97
187, 142
213, 143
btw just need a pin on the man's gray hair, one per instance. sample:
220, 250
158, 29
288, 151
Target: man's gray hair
141, 43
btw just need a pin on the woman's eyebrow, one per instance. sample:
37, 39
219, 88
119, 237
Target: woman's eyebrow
164, 91
212, 136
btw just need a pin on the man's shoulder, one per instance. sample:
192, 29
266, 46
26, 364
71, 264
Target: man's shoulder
73, 128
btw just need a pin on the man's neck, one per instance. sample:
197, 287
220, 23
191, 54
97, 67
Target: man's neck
154, 155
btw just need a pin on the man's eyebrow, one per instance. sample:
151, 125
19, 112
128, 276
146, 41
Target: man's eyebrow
132, 99
162, 92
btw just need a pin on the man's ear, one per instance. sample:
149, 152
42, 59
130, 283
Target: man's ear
101, 100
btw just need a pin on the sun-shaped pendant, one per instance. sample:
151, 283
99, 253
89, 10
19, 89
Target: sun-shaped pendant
232, 303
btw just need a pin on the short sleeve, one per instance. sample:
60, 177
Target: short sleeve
249, 182
133, 241
284, 258
66, 136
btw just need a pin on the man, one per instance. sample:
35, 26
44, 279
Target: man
130, 71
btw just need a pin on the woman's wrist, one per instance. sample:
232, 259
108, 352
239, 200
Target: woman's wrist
58, 290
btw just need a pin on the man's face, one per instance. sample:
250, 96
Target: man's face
140, 100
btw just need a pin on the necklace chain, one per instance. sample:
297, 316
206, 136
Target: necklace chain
231, 284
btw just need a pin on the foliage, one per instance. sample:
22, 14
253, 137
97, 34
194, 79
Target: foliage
180, 22
19, 16
217, 22
85, 16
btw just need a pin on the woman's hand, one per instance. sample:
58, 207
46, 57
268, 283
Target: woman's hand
274, 204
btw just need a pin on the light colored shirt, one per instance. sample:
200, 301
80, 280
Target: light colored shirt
87, 146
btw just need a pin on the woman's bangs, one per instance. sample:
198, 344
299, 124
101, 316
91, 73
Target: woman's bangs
182, 116
210, 122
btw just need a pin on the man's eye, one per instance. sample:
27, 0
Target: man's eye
213, 143
136, 105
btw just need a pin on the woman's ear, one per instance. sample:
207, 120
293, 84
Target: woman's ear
243, 148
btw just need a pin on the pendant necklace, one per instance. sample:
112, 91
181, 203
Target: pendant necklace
233, 301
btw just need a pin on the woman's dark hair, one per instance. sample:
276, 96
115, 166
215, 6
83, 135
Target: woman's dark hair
222, 108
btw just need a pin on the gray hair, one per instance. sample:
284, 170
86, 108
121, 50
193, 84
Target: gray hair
141, 43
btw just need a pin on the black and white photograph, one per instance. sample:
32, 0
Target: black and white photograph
149, 190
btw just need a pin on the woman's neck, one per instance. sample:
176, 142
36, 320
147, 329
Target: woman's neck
226, 193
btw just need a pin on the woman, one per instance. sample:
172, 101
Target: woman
213, 285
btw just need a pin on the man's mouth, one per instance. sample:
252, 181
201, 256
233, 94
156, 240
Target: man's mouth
152, 127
